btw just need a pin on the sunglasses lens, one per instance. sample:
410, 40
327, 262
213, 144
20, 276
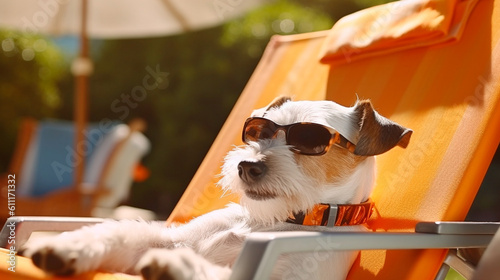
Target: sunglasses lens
257, 129
306, 138
310, 139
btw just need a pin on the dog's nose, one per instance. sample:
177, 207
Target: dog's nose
251, 172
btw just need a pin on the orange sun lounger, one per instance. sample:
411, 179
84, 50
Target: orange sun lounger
432, 66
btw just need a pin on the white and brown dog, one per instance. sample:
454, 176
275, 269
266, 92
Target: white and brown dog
299, 159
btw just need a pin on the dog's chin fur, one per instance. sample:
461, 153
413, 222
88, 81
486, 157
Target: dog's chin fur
295, 182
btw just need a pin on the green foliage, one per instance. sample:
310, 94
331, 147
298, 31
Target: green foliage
30, 68
281, 17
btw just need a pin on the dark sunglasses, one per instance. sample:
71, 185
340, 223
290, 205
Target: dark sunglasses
305, 138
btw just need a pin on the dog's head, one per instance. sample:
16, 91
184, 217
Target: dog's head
301, 153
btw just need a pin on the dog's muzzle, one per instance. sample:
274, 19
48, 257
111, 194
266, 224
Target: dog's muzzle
251, 172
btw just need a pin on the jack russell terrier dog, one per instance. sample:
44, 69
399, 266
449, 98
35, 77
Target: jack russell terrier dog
299, 158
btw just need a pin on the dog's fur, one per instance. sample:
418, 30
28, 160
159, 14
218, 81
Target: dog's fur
206, 247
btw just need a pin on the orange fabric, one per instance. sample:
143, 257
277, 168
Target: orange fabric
442, 82
444, 87
447, 95
394, 27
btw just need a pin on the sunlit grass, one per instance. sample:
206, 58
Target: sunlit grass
453, 275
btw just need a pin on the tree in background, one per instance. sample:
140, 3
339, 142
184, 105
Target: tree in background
30, 68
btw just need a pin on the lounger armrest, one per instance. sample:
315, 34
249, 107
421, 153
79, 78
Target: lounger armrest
19, 229
458, 227
262, 249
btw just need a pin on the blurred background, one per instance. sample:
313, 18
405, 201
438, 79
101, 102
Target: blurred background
203, 73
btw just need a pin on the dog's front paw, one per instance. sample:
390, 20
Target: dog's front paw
53, 262
164, 264
179, 264
60, 257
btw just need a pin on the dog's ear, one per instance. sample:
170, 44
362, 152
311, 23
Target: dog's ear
377, 134
277, 102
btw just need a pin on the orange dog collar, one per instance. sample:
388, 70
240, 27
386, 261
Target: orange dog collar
330, 215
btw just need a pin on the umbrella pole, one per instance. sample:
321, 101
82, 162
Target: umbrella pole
81, 68
80, 117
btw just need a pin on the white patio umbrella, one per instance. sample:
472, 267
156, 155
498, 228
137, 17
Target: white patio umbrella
108, 19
